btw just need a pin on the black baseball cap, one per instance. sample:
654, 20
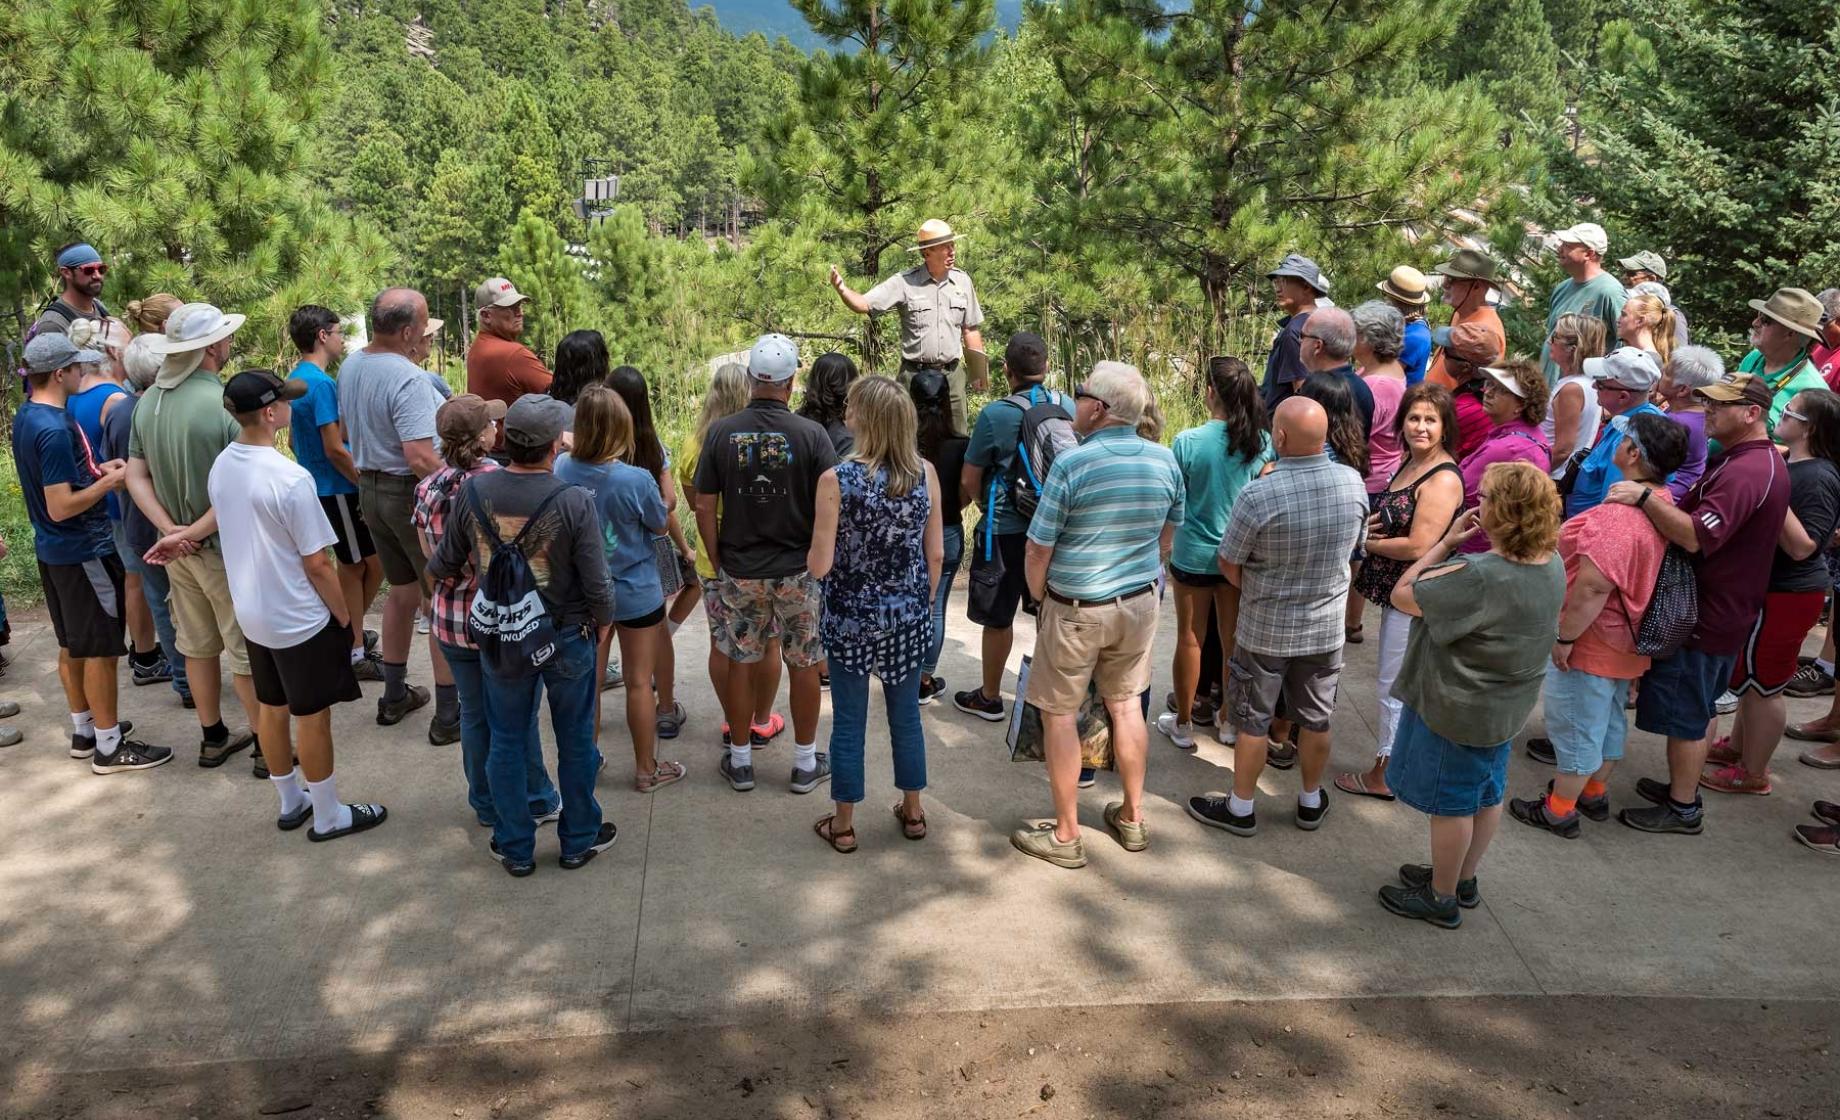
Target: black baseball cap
258, 388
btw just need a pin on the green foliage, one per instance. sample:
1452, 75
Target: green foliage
1508, 46
538, 264
1713, 141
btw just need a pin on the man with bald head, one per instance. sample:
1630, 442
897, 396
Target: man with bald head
1327, 350
1286, 548
388, 407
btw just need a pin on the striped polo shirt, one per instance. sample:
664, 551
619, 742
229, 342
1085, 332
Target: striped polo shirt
1102, 511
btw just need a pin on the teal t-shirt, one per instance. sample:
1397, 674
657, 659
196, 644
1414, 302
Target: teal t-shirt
1214, 476
993, 445
1601, 297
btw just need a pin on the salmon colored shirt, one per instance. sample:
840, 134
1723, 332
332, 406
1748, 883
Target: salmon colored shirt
500, 369
1434, 373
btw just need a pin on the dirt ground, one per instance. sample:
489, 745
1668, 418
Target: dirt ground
1493, 1057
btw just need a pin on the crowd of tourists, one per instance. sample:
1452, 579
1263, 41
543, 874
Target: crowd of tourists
1616, 523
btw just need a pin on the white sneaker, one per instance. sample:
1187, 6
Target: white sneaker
1727, 702
1181, 734
1224, 734
421, 622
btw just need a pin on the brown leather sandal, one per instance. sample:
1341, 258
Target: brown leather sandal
912, 829
837, 840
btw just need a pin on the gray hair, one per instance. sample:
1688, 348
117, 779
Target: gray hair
140, 361
1380, 327
1122, 388
393, 311
1334, 329
1695, 367
1830, 302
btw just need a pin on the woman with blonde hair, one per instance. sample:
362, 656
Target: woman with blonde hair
149, 315
878, 544
632, 512
1647, 323
728, 394
1482, 626
1572, 411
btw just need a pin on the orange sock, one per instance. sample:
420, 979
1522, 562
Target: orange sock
1595, 789
1557, 806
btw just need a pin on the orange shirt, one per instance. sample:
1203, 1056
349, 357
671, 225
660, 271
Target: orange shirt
500, 369
1434, 373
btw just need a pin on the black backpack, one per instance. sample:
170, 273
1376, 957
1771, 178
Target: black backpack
1047, 430
507, 619
1673, 609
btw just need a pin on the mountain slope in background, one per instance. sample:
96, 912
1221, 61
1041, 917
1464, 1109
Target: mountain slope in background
774, 18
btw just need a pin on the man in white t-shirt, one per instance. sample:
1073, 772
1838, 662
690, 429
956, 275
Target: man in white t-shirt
290, 604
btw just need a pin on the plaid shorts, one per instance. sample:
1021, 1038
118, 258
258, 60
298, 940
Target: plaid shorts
749, 613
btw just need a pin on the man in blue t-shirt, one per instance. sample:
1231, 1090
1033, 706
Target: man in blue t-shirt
63, 487
1003, 531
318, 439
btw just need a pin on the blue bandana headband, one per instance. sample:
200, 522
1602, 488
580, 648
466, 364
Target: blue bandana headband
77, 256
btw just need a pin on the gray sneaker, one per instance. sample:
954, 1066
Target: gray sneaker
740, 778
1040, 842
804, 781
1132, 835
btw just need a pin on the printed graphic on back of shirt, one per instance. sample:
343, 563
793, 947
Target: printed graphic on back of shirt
765, 461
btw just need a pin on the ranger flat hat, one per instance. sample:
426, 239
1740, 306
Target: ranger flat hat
932, 232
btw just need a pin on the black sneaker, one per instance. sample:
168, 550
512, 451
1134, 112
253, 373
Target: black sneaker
390, 713
83, 746
1469, 896
517, 869
1663, 818
441, 733
975, 703
1656, 792
1533, 812
1594, 808
1422, 903
602, 841
824, 682
213, 753
130, 755
1310, 819
156, 671
931, 689
1215, 811
371, 638
1541, 750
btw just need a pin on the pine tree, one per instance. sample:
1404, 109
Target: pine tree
537, 263
1508, 46
175, 135
1205, 143
1714, 143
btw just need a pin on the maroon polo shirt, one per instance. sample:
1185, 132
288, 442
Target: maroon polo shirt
1737, 507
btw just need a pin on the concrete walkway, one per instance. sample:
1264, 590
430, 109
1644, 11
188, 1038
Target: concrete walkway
160, 917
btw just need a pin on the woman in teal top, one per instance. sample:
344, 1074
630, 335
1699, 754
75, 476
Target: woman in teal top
1217, 460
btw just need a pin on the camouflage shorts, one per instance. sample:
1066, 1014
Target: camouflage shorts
749, 613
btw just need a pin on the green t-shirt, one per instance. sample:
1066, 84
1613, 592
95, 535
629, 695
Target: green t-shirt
180, 432
1475, 660
1601, 297
993, 445
1791, 379
1214, 477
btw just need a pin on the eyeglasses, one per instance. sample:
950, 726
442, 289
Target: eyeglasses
1080, 394
97, 269
1794, 415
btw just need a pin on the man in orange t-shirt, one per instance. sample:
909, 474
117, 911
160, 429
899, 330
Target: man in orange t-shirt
1469, 277
498, 366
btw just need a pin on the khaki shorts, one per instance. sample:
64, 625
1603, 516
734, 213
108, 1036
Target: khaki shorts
386, 502
1107, 644
202, 613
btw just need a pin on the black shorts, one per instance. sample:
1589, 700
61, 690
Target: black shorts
307, 678
85, 601
354, 542
649, 618
1014, 588
1196, 579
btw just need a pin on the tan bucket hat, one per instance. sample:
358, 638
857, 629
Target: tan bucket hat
1793, 308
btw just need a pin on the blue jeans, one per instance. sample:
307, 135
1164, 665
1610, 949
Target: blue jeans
476, 735
849, 719
155, 588
955, 552
511, 714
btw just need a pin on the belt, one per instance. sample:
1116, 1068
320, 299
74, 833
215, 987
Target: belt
1109, 599
385, 476
942, 367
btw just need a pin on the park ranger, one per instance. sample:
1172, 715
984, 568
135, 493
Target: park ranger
940, 314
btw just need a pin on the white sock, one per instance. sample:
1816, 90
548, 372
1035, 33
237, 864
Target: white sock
1824, 665
1310, 798
328, 814
357, 653
83, 724
742, 755
1240, 806
805, 756
107, 739
670, 627
293, 791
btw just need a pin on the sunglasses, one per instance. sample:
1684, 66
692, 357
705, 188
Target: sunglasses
1080, 394
1794, 415
92, 269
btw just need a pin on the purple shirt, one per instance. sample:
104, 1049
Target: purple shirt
1694, 464
1514, 442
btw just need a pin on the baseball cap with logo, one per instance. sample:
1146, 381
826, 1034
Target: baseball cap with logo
1739, 388
258, 388
1629, 366
774, 358
50, 352
1589, 234
535, 420
497, 292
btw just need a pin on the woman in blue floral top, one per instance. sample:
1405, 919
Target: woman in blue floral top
878, 544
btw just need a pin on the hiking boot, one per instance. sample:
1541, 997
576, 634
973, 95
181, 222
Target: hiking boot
390, 713
1132, 835
804, 781
213, 753
368, 668
1541, 750
442, 732
130, 755
1423, 904
740, 778
1534, 812
1181, 734
1415, 875
975, 703
1810, 680
156, 671
1215, 811
1039, 841
602, 841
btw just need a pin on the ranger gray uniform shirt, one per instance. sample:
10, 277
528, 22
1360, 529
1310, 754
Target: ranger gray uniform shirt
934, 313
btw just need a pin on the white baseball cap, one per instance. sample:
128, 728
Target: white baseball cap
774, 358
1589, 234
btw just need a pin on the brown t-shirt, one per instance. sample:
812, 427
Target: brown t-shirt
499, 369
